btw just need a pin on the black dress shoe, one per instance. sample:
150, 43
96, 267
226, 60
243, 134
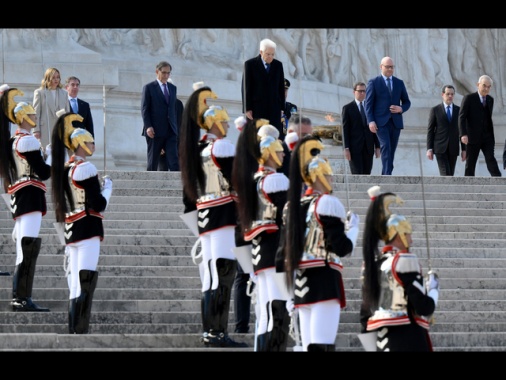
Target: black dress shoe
222, 340
4, 273
26, 304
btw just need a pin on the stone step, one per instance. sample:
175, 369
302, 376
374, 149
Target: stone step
193, 305
185, 260
148, 293
467, 341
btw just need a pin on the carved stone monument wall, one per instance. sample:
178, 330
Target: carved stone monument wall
321, 64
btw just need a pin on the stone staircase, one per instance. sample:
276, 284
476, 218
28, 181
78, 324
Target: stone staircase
148, 291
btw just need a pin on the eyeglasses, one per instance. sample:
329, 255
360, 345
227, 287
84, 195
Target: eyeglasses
388, 67
362, 91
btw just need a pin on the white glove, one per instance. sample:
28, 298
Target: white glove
107, 189
290, 306
432, 286
352, 220
14, 232
352, 228
48, 154
106, 182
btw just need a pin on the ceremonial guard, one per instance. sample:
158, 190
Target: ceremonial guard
261, 198
319, 232
397, 300
23, 170
206, 167
79, 198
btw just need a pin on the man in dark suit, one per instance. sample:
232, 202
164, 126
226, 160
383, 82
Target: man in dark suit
386, 99
79, 106
289, 107
359, 143
443, 133
263, 87
162, 164
159, 116
476, 128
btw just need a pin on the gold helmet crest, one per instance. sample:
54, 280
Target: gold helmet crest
203, 107
21, 112
318, 168
395, 223
310, 149
75, 137
270, 145
398, 224
215, 115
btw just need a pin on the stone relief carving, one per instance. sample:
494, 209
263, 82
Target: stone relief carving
425, 58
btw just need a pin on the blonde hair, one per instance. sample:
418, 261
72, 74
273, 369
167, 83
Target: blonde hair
48, 76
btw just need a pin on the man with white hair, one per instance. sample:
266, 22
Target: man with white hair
263, 87
476, 128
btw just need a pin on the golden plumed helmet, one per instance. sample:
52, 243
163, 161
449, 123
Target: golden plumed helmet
398, 224
215, 115
318, 168
75, 137
17, 112
270, 145
309, 149
21, 112
203, 107
395, 223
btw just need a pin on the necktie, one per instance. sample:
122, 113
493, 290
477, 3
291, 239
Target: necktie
267, 66
166, 92
389, 85
484, 101
73, 103
362, 112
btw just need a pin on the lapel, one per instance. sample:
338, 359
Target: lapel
52, 103
443, 113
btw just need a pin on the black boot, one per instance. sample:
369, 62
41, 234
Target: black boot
220, 305
72, 315
278, 336
314, 347
205, 309
262, 341
22, 283
88, 280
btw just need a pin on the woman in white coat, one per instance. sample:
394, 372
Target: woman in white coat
47, 99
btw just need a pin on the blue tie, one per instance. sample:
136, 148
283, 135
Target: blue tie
267, 66
362, 112
73, 103
448, 113
389, 85
166, 92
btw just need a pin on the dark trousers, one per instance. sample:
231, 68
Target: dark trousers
487, 146
388, 136
242, 302
154, 148
361, 161
446, 163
